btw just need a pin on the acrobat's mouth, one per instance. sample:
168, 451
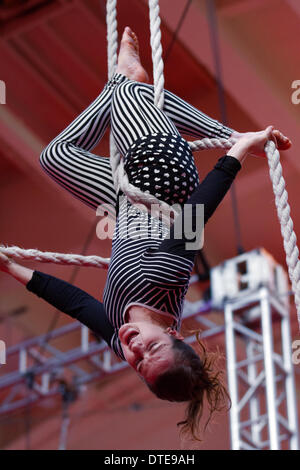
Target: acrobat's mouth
127, 333
132, 334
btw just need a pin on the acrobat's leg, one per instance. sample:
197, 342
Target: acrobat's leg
187, 119
134, 115
171, 175
190, 121
68, 160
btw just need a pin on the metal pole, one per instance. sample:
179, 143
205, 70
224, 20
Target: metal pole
290, 389
254, 406
267, 334
232, 377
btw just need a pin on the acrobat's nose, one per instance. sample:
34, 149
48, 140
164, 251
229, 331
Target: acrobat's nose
136, 345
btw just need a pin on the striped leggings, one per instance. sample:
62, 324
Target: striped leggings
128, 107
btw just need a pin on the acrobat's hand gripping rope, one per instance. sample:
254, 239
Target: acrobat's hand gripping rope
135, 195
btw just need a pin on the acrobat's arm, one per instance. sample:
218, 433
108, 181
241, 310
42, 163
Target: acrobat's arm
65, 297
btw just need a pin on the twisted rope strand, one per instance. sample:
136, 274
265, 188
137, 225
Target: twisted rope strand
156, 47
213, 143
57, 258
285, 220
112, 36
112, 60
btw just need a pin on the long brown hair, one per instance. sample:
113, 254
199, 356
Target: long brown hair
192, 378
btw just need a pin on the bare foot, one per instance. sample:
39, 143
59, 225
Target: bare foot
129, 63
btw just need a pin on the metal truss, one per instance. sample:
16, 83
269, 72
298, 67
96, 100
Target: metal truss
263, 414
261, 381
40, 367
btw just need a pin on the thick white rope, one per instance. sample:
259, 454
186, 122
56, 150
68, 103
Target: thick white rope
157, 60
57, 258
285, 220
112, 36
158, 70
112, 60
213, 143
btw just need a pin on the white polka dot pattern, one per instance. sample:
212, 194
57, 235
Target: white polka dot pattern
163, 165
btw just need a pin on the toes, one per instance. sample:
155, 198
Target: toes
127, 31
135, 40
127, 35
284, 142
280, 135
130, 32
132, 35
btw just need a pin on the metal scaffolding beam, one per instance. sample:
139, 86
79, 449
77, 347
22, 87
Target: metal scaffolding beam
261, 383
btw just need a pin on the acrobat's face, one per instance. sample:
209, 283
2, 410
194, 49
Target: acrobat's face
147, 348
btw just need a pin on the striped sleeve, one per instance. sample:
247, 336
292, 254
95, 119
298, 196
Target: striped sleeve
165, 270
116, 346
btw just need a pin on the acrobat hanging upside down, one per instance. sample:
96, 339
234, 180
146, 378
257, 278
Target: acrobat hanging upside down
147, 278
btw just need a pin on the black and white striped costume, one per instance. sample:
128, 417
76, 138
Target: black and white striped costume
152, 269
68, 158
